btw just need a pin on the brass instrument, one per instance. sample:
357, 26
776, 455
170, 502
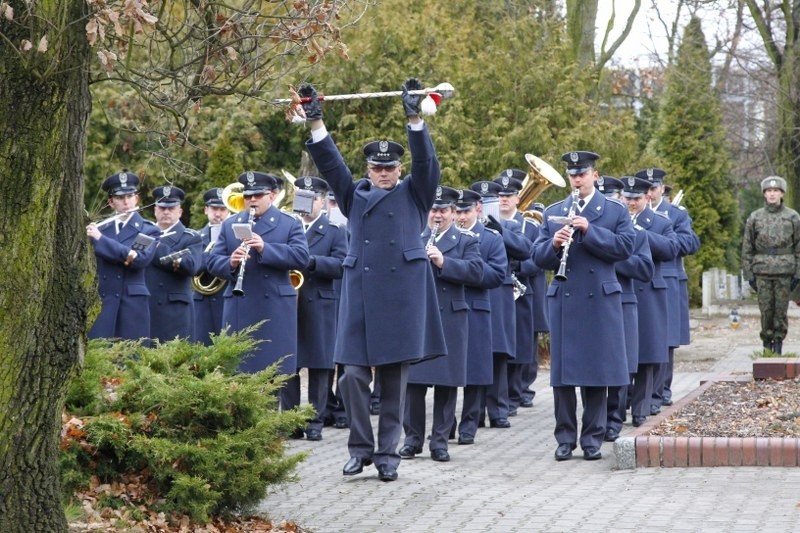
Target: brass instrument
540, 177
561, 275
201, 283
237, 289
233, 197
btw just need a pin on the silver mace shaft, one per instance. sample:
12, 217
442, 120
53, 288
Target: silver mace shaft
444, 89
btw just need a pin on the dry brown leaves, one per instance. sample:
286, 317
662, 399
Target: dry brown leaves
762, 408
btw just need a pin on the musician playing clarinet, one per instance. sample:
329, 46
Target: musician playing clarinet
583, 251
388, 315
275, 246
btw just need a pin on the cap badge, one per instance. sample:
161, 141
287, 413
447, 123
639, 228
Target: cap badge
649, 172
509, 173
631, 181
383, 146
123, 178
574, 157
460, 194
484, 187
505, 182
307, 182
167, 190
219, 193
773, 183
600, 181
438, 193
251, 178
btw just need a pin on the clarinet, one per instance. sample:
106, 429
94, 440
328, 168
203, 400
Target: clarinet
237, 290
434, 233
562, 268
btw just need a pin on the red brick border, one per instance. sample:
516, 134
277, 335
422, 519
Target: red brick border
656, 451
776, 368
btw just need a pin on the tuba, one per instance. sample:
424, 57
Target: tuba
204, 283
540, 177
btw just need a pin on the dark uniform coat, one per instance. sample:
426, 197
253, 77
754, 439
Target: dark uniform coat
207, 309
171, 304
538, 281
480, 342
504, 310
525, 303
638, 266
583, 354
388, 311
317, 300
653, 295
125, 312
688, 243
462, 264
268, 292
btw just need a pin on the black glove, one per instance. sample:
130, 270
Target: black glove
312, 263
514, 265
752, 283
793, 286
312, 108
411, 102
492, 223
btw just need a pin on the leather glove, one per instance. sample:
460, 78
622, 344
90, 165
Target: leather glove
793, 286
411, 102
312, 108
514, 265
312, 263
752, 283
493, 223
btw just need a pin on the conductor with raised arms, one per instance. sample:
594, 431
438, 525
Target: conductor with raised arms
388, 316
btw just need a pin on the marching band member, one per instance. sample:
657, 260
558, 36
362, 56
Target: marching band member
122, 256
386, 273
455, 260
169, 276
598, 233
208, 307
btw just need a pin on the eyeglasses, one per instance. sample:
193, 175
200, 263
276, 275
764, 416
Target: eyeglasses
256, 196
381, 168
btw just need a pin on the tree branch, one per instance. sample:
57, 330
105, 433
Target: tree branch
765, 30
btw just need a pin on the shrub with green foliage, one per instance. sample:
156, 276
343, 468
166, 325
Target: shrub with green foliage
197, 437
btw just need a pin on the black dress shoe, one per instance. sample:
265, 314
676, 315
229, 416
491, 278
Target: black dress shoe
408, 452
355, 466
374, 408
638, 420
666, 402
526, 403
440, 454
564, 452
314, 434
452, 432
611, 435
512, 411
387, 473
328, 421
297, 434
466, 439
500, 423
590, 453
654, 410
482, 423
341, 423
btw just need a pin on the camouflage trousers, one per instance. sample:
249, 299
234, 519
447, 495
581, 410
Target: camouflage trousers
773, 302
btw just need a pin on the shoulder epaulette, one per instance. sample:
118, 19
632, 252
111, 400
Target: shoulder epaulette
334, 224
150, 223
616, 201
190, 231
681, 207
637, 226
490, 230
555, 204
468, 232
661, 214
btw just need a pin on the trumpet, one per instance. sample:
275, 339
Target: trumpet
237, 289
562, 267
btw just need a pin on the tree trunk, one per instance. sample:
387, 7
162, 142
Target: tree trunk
788, 157
581, 21
45, 266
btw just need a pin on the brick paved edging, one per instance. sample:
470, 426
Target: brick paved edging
637, 449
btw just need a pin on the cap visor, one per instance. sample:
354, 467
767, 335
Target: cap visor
123, 191
574, 171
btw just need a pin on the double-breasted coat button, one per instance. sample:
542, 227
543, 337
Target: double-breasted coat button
366, 269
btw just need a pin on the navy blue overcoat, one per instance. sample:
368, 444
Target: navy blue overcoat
653, 295
171, 303
638, 266
388, 311
317, 300
207, 308
583, 352
481, 337
462, 264
525, 304
268, 292
125, 312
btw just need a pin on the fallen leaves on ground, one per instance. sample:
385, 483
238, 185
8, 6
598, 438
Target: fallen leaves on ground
759, 408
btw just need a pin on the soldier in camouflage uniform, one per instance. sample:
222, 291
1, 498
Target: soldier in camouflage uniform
771, 260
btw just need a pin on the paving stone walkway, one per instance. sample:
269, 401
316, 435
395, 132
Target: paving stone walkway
508, 481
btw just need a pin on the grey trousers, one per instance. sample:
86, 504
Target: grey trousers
354, 384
